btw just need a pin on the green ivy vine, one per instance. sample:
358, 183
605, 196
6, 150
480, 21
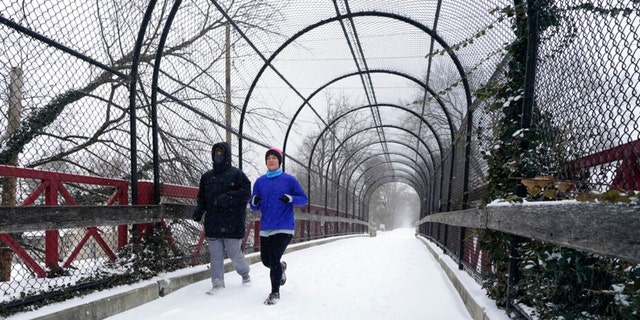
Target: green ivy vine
555, 282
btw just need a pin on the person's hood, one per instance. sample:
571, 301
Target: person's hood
226, 164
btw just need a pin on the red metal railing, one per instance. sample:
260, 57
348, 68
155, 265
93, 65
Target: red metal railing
627, 175
52, 186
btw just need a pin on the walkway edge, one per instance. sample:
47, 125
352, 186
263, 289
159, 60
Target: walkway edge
108, 306
120, 302
475, 309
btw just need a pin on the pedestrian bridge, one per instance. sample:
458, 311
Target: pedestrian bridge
511, 125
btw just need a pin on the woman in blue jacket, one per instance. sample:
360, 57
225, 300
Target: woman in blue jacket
275, 194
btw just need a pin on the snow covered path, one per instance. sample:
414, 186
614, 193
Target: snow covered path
391, 276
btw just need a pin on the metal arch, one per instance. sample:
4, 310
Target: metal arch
400, 74
414, 23
346, 201
465, 83
418, 186
402, 143
360, 131
381, 105
378, 183
420, 116
424, 178
340, 145
393, 176
366, 146
364, 206
415, 166
432, 33
382, 180
424, 174
436, 136
154, 100
133, 77
342, 142
365, 203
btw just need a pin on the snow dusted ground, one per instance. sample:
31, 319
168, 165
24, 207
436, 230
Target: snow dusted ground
391, 276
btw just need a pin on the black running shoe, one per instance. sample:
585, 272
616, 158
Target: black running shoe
273, 298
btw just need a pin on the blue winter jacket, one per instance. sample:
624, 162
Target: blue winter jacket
275, 214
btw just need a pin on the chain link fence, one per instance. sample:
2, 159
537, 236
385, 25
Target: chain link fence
139, 92
585, 118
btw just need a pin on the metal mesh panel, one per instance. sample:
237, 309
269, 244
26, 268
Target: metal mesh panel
294, 67
458, 181
437, 190
77, 114
587, 92
86, 259
453, 241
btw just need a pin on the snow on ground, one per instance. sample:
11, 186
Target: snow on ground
391, 276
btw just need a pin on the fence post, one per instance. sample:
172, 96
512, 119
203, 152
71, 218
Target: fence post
146, 195
123, 232
527, 119
461, 257
51, 236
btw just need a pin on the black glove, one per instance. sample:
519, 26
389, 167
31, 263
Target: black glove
285, 198
256, 200
196, 217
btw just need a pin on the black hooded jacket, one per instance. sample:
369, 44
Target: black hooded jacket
223, 195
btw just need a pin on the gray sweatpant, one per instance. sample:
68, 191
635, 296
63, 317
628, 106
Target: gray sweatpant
217, 248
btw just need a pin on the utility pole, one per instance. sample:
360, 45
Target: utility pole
9, 183
13, 117
228, 82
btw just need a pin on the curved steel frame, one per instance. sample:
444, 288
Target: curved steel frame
353, 153
414, 80
424, 174
346, 201
418, 187
364, 107
361, 131
268, 61
133, 78
376, 184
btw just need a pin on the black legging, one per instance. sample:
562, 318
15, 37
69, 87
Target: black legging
271, 250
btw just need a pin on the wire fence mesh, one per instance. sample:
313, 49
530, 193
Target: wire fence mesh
140, 91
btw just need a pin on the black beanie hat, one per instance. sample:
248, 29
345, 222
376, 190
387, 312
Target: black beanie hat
276, 152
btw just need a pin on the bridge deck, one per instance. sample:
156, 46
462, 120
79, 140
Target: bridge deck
391, 276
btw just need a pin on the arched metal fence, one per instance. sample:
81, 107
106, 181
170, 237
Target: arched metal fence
357, 94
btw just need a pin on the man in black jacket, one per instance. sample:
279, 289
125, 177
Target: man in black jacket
222, 198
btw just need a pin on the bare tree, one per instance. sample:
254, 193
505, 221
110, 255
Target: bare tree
76, 115
84, 127
333, 171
